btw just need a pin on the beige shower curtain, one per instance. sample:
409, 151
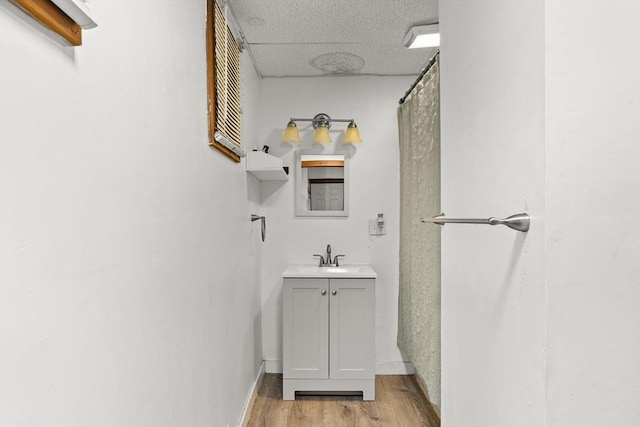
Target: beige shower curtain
419, 299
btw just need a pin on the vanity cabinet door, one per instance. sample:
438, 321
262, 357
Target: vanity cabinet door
305, 328
352, 332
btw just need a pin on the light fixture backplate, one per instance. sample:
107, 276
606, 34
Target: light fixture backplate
321, 120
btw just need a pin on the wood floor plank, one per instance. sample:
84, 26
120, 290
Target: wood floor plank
399, 402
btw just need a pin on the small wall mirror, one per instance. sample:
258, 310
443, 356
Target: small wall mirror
322, 185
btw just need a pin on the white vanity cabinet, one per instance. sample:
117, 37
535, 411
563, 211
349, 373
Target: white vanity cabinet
329, 335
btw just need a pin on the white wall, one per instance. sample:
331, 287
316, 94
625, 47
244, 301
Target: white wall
374, 183
492, 142
540, 113
593, 208
129, 286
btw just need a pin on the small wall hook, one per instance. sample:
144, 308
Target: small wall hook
263, 221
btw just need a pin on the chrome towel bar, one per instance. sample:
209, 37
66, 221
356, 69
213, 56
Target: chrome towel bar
518, 222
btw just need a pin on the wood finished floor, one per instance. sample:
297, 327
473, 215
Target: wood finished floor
399, 403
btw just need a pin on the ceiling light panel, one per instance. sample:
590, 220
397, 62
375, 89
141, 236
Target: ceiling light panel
422, 36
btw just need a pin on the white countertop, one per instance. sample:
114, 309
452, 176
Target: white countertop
344, 271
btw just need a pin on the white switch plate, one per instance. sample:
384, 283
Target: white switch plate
376, 229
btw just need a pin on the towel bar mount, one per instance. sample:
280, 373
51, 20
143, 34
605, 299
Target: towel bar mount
519, 222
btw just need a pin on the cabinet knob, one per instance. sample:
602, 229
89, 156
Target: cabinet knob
323, 292
334, 292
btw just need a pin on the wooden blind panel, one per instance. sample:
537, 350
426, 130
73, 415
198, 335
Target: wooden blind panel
212, 71
228, 109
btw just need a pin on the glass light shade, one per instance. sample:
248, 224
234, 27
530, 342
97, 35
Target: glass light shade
351, 134
321, 135
291, 133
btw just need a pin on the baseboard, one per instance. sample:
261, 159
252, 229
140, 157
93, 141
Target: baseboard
382, 368
273, 366
251, 397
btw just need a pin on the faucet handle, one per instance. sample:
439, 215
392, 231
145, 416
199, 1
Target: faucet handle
321, 259
335, 259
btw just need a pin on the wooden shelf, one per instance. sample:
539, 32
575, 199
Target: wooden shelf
265, 167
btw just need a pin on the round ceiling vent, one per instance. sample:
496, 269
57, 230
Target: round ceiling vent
337, 63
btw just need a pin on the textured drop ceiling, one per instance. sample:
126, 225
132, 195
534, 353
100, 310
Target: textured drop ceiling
334, 37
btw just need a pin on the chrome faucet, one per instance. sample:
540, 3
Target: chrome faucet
325, 261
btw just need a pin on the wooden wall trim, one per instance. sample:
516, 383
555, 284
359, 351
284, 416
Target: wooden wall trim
322, 163
49, 15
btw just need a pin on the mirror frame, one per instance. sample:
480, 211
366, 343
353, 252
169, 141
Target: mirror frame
299, 203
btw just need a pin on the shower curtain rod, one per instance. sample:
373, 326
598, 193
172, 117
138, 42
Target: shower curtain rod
420, 76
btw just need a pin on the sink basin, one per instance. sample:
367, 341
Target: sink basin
344, 271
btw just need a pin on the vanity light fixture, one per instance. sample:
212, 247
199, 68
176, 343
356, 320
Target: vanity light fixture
291, 133
351, 134
321, 123
422, 36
